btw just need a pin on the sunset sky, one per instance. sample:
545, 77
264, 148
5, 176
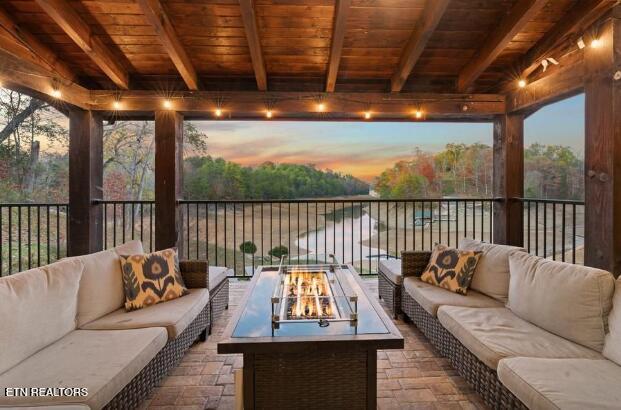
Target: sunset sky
365, 149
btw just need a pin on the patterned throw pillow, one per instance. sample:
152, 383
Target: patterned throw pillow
151, 278
451, 268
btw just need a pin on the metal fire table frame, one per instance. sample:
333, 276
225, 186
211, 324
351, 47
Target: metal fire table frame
305, 365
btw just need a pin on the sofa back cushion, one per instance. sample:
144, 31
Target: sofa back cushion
491, 276
612, 347
101, 287
37, 307
568, 300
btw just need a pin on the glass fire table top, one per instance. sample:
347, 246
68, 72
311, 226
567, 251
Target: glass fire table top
307, 300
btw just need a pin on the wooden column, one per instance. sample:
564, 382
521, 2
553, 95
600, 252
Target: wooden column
508, 179
602, 232
85, 182
168, 179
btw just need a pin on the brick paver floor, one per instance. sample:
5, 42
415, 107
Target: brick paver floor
413, 378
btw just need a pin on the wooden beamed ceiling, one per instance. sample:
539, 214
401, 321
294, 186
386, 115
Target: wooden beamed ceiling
299, 46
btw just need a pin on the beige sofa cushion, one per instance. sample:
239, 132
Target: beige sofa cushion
612, 347
492, 334
431, 297
491, 276
175, 315
572, 384
568, 300
391, 268
37, 307
101, 287
217, 274
103, 361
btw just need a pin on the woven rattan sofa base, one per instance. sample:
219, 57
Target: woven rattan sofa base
219, 301
139, 388
482, 379
390, 292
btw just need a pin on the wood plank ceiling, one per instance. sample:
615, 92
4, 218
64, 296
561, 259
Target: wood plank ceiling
286, 45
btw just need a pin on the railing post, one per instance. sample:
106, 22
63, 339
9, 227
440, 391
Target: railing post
85, 182
168, 180
602, 236
508, 179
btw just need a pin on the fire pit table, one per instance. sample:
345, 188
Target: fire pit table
309, 335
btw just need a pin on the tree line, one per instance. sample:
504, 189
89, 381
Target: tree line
465, 170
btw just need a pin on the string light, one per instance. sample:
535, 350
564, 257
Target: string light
596, 43
268, 113
56, 93
117, 105
321, 107
522, 83
367, 115
167, 104
418, 114
218, 112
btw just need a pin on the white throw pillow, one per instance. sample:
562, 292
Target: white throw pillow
101, 287
571, 301
37, 307
491, 276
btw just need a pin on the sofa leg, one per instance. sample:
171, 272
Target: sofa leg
203, 336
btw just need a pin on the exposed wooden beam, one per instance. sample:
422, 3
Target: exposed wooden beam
341, 11
418, 41
156, 15
254, 42
566, 80
35, 51
520, 14
80, 32
27, 76
578, 19
301, 105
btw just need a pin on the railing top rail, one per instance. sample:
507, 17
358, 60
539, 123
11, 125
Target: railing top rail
551, 201
337, 200
33, 204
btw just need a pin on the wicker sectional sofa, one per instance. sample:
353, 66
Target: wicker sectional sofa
548, 338
65, 329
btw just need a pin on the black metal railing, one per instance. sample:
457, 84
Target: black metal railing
31, 235
244, 234
554, 229
128, 220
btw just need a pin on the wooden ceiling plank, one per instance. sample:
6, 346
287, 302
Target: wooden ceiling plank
254, 43
519, 15
582, 15
157, 16
41, 53
341, 11
418, 41
80, 32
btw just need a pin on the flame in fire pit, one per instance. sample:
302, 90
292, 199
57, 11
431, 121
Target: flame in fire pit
308, 296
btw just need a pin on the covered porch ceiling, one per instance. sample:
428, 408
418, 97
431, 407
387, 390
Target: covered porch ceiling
298, 59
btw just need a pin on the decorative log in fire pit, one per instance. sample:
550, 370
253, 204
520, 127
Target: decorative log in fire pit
309, 335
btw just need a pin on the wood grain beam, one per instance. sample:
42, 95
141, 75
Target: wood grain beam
418, 41
301, 105
157, 16
27, 46
341, 11
254, 43
80, 32
26, 76
572, 25
520, 14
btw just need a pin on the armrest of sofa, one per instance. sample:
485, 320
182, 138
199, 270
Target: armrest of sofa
195, 273
413, 263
